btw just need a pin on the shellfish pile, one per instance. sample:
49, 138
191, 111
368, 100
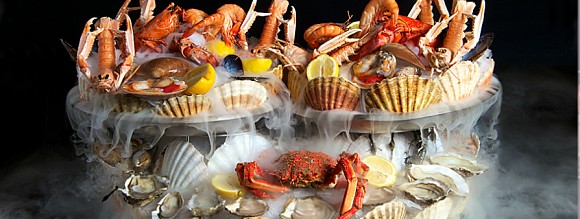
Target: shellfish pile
188, 68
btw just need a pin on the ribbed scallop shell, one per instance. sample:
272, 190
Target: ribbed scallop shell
239, 148
402, 94
438, 210
459, 81
184, 166
129, 104
328, 93
389, 210
296, 85
183, 106
242, 94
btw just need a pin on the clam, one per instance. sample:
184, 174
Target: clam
183, 106
241, 94
329, 93
438, 210
463, 165
424, 191
443, 174
168, 206
247, 206
459, 81
389, 210
155, 89
405, 93
308, 207
141, 189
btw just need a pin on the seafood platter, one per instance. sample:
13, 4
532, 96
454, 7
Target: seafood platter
383, 115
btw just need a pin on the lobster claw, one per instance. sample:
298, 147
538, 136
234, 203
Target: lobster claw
196, 54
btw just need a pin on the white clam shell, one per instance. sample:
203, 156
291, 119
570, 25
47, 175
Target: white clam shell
443, 174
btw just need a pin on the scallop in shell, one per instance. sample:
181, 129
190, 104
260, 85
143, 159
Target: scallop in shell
424, 191
389, 210
329, 93
438, 210
183, 106
308, 207
405, 93
241, 94
459, 81
156, 89
296, 85
247, 206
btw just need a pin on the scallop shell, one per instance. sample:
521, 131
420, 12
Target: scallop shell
129, 104
183, 106
184, 166
438, 210
402, 94
459, 81
329, 93
242, 94
389, 210
308, 207
152, 89
239, 148
296, 85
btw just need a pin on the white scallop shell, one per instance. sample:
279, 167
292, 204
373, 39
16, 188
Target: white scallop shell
459, 81
242, 94
389, 210
184, 166
239, 148
438, 210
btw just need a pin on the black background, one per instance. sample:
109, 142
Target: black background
535, 42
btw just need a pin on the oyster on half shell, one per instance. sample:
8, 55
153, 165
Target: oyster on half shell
247, 206
308, 207
168, 206
141, 189
424, 191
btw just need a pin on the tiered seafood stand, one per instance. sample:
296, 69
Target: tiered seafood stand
293, 145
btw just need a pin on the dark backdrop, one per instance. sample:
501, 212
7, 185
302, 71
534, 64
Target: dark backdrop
531, 38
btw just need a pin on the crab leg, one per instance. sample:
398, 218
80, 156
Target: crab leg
85, 46
246, 175
354, 170
128, 52
290, 27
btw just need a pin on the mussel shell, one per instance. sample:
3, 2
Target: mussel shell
482, 45
233, 65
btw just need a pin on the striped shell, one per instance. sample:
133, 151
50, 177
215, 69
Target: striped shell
459, 81
296, 85
129, 104
329, 93
241, 94
389, 210
183, 106
402, 94
440, 209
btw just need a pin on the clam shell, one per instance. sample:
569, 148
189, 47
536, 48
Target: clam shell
183, 106
241, 94
184, 166
296, 85
308, 207
329, 93
438, 210
205, 203
389, 210
459, 81
406, 93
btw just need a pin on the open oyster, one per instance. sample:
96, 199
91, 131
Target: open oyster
247, 206
424, 191
168, 206
205, 203
443, 174
141, 189
461, 164
308, 207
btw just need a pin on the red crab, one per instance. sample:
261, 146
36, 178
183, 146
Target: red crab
305, 168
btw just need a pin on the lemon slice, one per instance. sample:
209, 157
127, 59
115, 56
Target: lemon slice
256, 65
322, 66
219, 48
382, 172
200, 79
352, 25
227, 186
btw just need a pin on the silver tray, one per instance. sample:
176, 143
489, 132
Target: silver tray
386, 122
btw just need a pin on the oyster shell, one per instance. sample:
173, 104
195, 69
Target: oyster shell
459, 81
168, 206
461, 164
184, 167
443, 174
205, 203
141, 160
389, 210
308, 207
183, 106
406, 93
155, 89
247, 206
438, 210
328, 93
141, 189
424, 191
376, 196
241, 94
296, 85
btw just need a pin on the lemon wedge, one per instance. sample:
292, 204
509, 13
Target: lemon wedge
227, 186
200, 79
219, 48
322, 66
352, 25
256, 65
382, 172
